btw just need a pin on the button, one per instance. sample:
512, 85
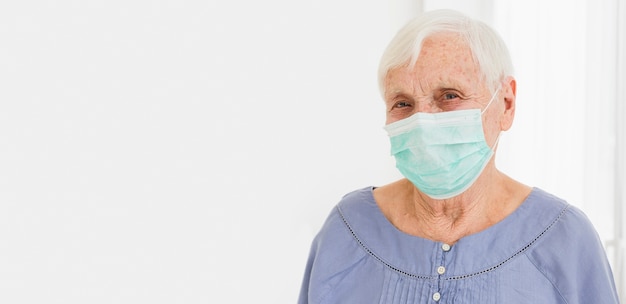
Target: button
445, 247
436, 296
441, 270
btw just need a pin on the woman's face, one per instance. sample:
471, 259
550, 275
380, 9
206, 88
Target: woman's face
444, 78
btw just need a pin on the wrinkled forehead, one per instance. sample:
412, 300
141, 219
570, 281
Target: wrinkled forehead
445, 60
444, 49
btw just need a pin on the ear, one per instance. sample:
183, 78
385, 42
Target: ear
509, 87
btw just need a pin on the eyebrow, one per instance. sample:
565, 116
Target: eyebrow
451, 84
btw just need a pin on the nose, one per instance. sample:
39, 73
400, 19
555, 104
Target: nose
426, 106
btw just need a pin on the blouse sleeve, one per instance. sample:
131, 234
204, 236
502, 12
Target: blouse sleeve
333, 254
573, 259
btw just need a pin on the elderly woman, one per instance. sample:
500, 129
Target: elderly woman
455, 230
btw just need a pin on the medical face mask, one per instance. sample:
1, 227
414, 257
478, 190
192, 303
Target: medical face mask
442, 154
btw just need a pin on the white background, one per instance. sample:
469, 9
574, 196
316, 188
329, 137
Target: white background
186, 151
180, 151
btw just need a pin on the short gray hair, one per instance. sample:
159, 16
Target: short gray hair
487, 47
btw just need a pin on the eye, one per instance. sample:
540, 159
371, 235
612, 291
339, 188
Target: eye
450, 100
400, 108
450, 96
401, 104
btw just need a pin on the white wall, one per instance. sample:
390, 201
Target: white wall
180, 151
184, 151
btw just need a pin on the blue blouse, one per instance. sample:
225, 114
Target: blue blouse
544, 252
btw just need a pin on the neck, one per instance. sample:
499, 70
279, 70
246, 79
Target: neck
449, 220
490, 199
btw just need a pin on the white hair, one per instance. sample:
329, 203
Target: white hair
488, 49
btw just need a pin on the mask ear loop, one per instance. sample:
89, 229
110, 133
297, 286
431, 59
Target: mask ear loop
493, 148
490, 101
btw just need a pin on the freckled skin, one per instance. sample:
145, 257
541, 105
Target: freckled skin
445, 62
445, 77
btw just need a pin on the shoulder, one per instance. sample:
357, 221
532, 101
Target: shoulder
570, 229
338, 241
337, 228
571, 256
335, 250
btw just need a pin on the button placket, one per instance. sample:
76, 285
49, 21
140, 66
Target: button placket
436, 296
441, 270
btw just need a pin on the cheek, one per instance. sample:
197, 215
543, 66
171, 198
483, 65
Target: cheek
390, 118
491, 128
493, 123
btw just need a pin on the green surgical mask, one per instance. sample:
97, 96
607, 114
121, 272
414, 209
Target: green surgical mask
442, 154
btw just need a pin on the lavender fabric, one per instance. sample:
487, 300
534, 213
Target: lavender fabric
547, 251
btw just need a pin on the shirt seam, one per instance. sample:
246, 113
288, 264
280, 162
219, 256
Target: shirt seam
331, 287
544, 274
519, 252
492, 268
376, 257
